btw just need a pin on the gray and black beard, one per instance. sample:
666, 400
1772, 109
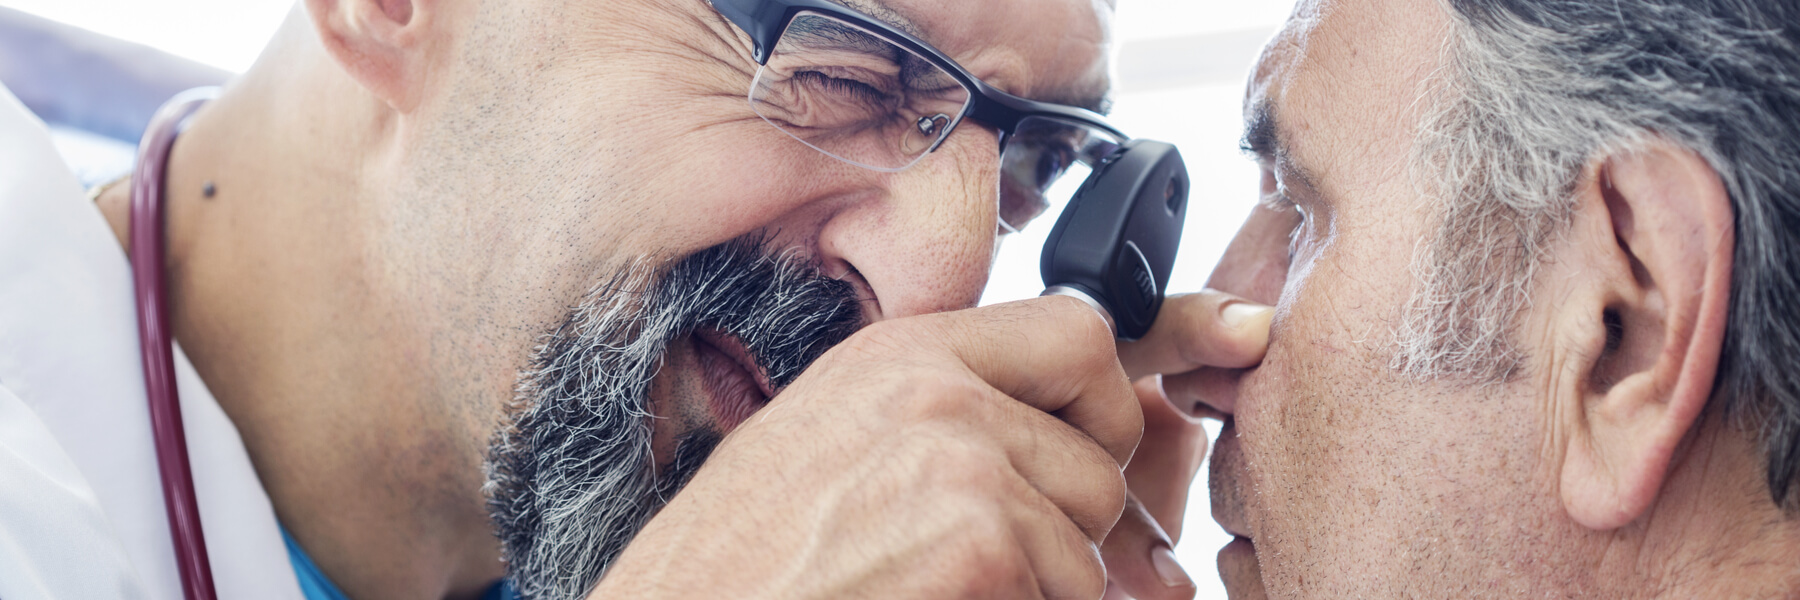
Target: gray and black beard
570, 476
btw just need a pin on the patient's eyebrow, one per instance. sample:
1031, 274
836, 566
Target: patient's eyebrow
1264, 140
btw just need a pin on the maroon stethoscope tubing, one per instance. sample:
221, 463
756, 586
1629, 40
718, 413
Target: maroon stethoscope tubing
155, 340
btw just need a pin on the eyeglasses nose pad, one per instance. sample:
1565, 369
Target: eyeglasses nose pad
931, 133
930, 125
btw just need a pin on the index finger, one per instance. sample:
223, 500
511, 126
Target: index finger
1052, 353
1209, 328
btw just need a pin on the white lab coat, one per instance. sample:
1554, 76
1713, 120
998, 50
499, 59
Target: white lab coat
81, 510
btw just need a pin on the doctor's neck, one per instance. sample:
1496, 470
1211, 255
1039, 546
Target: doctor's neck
283, 297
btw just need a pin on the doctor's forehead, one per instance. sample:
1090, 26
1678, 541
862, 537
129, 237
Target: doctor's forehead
1052, 50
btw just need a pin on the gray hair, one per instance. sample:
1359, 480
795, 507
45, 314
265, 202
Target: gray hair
1532, 91
571, 476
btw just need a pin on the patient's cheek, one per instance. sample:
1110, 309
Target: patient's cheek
1293, 410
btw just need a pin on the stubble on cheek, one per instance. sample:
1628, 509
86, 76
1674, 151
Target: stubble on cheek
1368, 483
1310, 421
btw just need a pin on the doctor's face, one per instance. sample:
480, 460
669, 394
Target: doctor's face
592, 201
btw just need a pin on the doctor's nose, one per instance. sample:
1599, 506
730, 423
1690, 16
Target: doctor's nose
930, 248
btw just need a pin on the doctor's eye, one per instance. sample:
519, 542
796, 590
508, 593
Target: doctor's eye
845, 87
1052, 161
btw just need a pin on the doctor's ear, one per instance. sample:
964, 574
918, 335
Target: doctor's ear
1651, 249
383, 44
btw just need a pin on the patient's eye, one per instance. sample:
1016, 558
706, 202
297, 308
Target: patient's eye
1275, 197
1279, 201
1301, 225
1271, 190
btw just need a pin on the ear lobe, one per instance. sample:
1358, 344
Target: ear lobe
1655, 222
376, 42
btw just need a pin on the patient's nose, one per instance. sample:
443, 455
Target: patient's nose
1255, 265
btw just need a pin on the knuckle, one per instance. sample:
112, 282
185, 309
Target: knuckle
1088, 578
1131, 427
1119, 426
939, 398
1086, 327
990, 564
976, 469
1098, 504
1112, 490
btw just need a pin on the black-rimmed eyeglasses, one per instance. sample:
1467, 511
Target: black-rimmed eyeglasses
866, 93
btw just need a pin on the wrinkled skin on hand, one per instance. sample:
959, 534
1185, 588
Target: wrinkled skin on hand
973, 454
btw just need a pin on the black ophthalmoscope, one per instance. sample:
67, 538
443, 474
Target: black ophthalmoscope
1115, 244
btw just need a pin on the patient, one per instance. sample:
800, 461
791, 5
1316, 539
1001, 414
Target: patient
1534, 262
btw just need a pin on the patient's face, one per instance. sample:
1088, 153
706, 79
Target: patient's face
574, 141
1351, 479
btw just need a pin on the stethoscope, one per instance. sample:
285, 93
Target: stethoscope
155, 340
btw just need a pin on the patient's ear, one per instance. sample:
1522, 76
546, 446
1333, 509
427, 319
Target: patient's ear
382, 44
1653, 236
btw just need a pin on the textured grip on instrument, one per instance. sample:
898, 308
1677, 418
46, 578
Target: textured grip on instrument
1115, 243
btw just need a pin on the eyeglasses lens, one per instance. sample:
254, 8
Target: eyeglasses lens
1044, 162
856, 96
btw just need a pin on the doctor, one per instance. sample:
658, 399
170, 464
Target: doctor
466, 289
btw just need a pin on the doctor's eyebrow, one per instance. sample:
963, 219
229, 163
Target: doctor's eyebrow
1099, 101
886, 14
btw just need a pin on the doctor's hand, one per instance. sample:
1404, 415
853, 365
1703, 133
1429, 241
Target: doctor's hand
1181, 373
972, 454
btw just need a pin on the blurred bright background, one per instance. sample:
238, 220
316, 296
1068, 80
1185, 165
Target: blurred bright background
1181, 68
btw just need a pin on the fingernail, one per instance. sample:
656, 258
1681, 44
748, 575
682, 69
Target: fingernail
1239, 315
1167, 568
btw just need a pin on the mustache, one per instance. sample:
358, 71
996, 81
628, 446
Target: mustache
571, 475
784, 311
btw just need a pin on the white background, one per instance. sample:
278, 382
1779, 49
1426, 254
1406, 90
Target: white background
1198, 109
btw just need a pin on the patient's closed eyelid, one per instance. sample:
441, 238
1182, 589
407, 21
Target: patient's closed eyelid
1275, 201
1296, 235
1271, 195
